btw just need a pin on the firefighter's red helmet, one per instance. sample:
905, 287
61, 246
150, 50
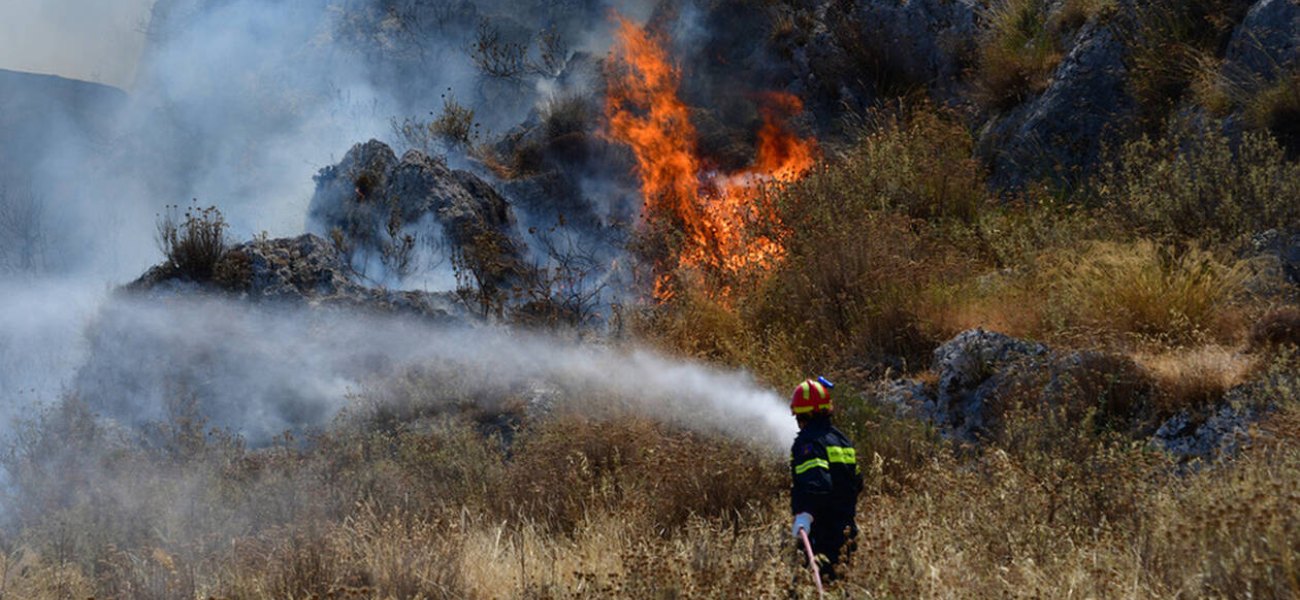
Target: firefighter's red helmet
811, 397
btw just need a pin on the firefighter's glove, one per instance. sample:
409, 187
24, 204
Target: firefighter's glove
801, 521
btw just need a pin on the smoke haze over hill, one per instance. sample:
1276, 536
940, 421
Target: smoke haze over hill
238, 104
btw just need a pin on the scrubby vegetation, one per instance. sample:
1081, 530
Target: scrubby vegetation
577, 507
1174, 45
1153, 275
896, 244
418, 492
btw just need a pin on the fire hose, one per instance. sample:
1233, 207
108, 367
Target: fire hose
812, 562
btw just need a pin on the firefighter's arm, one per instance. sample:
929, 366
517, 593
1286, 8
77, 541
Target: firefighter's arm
811, 477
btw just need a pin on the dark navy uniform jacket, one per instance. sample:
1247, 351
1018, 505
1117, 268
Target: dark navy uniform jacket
825, 475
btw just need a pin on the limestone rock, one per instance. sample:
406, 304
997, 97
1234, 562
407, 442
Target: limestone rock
373, 203
302, 271
1267, 43
1062, 131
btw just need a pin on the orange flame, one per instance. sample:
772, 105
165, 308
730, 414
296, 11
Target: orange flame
646, 114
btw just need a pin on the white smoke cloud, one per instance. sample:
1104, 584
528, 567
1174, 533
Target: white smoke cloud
264, 370
238, 103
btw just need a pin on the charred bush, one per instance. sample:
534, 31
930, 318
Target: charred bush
495, 56
193, 242
568, 121
565, 289
455, 124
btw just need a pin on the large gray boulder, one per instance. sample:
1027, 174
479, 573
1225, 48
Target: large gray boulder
856, 54
973, 367
979, 375
972, 370
1267, 43
1278, 253
305, 271
372, 203
1223, 433
271, 341
1061, 132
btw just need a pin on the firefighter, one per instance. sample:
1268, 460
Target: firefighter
825, 477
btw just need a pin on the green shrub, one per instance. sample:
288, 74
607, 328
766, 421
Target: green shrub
918, 162
1195, 184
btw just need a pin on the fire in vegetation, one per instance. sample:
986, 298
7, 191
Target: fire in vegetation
713, 210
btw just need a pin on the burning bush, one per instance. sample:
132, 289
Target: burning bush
707, 214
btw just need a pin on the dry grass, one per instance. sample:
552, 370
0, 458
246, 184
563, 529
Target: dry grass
1018, 53
1147, 290
1113, 294
1196, 378
423, 491
1276, 108
627, 508
1170, 41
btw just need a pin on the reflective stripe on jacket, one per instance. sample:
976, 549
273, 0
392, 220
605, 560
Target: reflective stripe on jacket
824, 471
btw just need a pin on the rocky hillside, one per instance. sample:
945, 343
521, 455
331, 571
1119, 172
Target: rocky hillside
536, 337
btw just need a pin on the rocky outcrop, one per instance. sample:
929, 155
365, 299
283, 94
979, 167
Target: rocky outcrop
374, 204
302, 271
930, 39
979, 375
972, 368
877, 48
1061, 132
1223, 433
1267, 43
1274, 262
